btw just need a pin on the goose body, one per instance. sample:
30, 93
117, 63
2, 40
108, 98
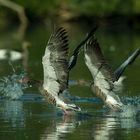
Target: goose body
55, 66
106, 82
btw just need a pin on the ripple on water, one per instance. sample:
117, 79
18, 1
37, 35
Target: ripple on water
9, 87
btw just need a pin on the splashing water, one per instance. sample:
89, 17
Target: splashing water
130, 109
10, 88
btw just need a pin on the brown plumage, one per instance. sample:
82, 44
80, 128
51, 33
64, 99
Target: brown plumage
55, 60
102, 74
55, 66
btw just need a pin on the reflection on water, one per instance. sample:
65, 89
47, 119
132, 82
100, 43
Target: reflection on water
105, 129
32, 118
60, 129
12, 112
96, 123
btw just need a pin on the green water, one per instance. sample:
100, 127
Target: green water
36, 120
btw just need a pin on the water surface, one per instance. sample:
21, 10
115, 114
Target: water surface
33, 118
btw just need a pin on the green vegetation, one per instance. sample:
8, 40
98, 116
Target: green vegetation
78, 8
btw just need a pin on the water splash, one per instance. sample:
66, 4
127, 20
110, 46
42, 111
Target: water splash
130, 108
130, 111
133, 100
10, 88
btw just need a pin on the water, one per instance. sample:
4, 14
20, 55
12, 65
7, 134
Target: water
30, 117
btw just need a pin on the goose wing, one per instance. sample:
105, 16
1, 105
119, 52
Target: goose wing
102, 74
99, 68
119, 71
55, 63
73, 58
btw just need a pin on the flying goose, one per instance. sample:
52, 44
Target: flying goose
105, 80
56, 66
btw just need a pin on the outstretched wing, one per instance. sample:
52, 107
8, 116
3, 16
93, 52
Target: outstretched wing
127, 62
73, 58
102, 74
99, 68
55, 63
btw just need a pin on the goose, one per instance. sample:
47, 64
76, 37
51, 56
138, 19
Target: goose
9, 54
105, 81
14, 55
56, 68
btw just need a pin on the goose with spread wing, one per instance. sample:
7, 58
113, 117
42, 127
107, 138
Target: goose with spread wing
105, 80
57, 66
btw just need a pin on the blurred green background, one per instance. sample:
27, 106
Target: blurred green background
78, 17
31, 22
67, 10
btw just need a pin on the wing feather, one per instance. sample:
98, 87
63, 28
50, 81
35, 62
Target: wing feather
99, 68
102, 75
119, 71
55, 63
